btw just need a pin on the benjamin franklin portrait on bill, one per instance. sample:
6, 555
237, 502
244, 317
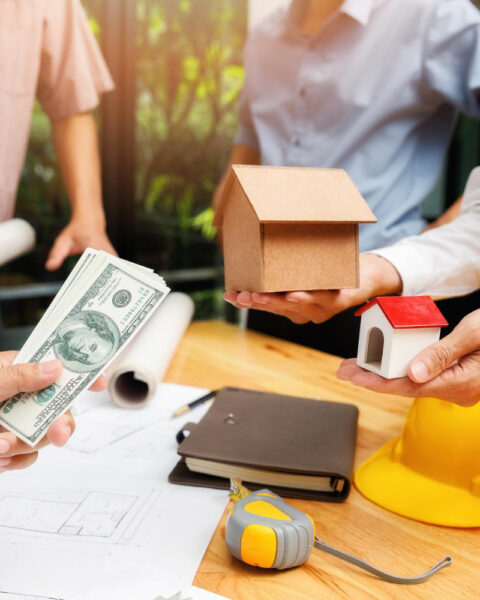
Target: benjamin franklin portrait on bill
86, 341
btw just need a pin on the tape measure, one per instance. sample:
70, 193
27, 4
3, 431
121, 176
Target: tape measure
264, 531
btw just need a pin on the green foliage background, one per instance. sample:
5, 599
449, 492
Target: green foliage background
189, 75
189, 61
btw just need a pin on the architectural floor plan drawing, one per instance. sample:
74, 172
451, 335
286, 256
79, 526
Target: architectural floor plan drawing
106, 430
102, 516
99, 520
104, 427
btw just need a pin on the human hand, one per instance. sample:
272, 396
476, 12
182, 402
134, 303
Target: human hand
15, 454
74, 239
377, 277
448, 369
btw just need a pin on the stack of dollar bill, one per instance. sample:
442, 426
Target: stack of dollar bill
101, 306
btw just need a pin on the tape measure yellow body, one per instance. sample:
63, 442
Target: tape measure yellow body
264, 531
267, 532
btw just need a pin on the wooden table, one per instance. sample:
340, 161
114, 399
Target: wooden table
215, 354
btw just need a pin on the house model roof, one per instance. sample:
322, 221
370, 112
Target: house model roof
405, 312
301, 195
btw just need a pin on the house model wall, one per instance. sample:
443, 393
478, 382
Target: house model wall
386, 347
287, 228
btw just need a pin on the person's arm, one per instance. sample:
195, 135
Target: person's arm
72, 75
441, 262
76, 146
15, 454
447, 217
448, 369
377, 277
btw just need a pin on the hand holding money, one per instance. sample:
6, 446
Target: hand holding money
101, 306
15, 454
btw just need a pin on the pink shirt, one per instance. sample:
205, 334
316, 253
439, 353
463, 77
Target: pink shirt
48, 52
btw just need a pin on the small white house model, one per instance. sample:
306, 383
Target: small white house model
393, 330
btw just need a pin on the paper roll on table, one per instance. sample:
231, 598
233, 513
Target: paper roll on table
133, 378
17, 237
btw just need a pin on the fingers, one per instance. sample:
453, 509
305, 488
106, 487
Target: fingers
74, 239
432, 361
28, 377
99, 385
276, 304
94, 239
18, 462
320, 298
244, 299
107, 246
347, 369
299, 307
459, 383
58, 434
272, 303
59, 252
230, 296
11, 446
6, 358
61, 430
15, 454
377, 276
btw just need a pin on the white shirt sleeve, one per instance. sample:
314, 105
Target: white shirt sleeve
443, 262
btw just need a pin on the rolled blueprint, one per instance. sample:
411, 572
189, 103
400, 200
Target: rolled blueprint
17, 237
133, 378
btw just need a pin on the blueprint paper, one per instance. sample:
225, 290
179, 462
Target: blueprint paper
135, 375
98, 519
192, 593
141, 440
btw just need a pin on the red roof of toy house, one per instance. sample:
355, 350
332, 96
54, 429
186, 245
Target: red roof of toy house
405, 312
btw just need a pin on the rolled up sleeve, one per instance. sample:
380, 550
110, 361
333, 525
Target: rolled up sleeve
72, 72
442, 262
452, 54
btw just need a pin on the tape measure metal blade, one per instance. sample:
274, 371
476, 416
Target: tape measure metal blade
380, 573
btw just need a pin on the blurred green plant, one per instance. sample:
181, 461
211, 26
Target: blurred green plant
203, 223
209, 303
189, 76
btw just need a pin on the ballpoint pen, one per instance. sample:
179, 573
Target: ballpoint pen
210, 397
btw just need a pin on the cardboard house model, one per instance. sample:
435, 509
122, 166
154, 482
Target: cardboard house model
288, 228
393, 330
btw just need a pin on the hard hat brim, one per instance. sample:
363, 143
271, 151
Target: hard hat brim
399, 489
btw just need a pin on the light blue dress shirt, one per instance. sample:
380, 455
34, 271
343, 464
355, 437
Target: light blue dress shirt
376, 92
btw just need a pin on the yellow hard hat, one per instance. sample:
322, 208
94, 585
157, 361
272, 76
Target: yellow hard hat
431, 472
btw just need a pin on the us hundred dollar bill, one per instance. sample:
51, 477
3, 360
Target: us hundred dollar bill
89, 333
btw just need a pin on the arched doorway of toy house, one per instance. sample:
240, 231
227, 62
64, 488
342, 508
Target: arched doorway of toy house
374, 347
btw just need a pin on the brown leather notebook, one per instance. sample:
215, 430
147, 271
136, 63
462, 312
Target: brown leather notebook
298, 447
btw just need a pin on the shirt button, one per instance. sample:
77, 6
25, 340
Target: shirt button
296, 142
302, 92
